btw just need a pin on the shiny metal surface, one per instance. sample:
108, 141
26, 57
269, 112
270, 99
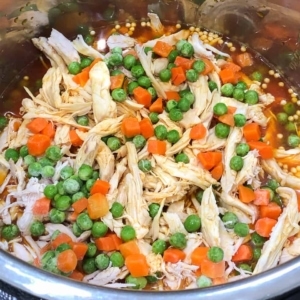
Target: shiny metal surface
243, 21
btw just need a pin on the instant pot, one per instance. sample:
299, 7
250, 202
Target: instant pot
241, 20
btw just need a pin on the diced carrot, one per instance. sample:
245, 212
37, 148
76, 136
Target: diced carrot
129, 248
95, 61
105, 243
173, 255
37, 125
162, 49
178, 75
183, 62
72, 216
171, 95
264, 150
217, 171
76, 275
130, 127
209, 159
123, 30
37, 144
231, 66
66, 261
198, 132
198, 255
209, 66
147, 129
246, 195
227, 119
264, 226
116, 81
157, 106
262, 197
97, 206
244, 253
198, 273
117, 241
211, 269
82, 77
41, 207
80, 205
219, 280
157, 147
80, 249
272, 210
252, 132
137, 265
46, 248
231, 109
37, 262
49, 130
16, 125
75, 140
227, 76
62, 238
142, 96
100, 186
244, 59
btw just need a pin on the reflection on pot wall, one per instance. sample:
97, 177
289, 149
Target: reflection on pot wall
265, 26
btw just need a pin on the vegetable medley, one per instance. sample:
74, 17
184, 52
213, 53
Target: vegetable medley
153, 166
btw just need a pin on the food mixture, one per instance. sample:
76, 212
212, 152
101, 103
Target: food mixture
161, 162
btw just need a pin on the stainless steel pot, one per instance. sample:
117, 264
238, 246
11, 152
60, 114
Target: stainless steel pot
243, 21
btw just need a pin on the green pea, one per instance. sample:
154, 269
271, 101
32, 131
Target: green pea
131, 86
44, 161
241, 229
199, 196
242, 149
165, 75
180, 44
102, 261
85, 62
178, 240
256, 253
257, 240
139, 282
62, 247
227, 89
84, 222
119, 95
152, 92
215, 254
74, 68
187, 94
203, 281
152, 279
56, 197
29, 159
282, 118
212, 85
12, 154
170, 105
153, 116
229, 219
289, 108
293, 140
85, 172
113, 143
184, 104
171, 66
3, 122
129, 61
222, 130
199, 66
245, 267
71, 186
144, 81
63, 203
115, 59
34, 169
53, 153
99, 229
50, 191
239, 120
9, 232
159, 246
153, 209
257, 76
290, 127
89, 265
91, 251
236, 163
139, 141
251, 97
96, 175
175, 115
117, 259
89, 39
148, 49
83, 120
89, 183
191, 75
192, 223
220, 109
23, 151
144, 165
46, 257
241, 85
60, 188
137, 71
56, 216
273, 184
76, 230
66, 172
182, 157
173, 136
117, 210
117, 50
128, 233
116, 72
47, 172
238, 94
187, 50
161, 132
172, 55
